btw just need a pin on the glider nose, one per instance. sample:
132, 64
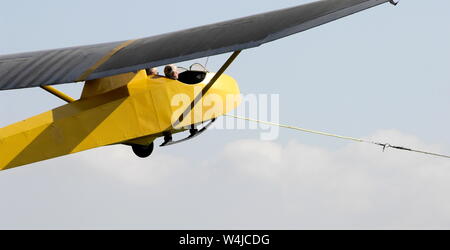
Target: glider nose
222, 98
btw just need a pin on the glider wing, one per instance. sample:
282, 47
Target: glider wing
102, 60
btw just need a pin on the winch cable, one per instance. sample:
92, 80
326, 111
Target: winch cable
383, 145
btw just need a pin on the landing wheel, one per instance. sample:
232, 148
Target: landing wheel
143, 151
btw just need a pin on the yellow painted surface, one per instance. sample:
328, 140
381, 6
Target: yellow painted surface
122, 109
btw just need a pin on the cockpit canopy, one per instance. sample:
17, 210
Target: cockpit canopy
192, 77
195, 74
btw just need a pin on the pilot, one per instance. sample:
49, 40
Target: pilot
152, 71
171, 71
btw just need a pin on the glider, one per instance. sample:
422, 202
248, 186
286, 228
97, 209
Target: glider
121, 104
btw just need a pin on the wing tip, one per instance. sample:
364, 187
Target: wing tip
394, 2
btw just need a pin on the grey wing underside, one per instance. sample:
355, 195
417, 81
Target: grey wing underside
102, 60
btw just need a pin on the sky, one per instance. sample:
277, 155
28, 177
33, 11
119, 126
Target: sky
381, 74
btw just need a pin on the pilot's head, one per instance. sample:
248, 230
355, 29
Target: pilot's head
152, 71
171, 71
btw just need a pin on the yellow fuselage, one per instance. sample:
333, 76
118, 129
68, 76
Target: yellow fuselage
127, 109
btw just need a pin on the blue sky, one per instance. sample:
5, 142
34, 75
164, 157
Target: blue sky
381, 74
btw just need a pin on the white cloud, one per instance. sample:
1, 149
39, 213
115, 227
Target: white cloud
355, 186
249, 184
120, 162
